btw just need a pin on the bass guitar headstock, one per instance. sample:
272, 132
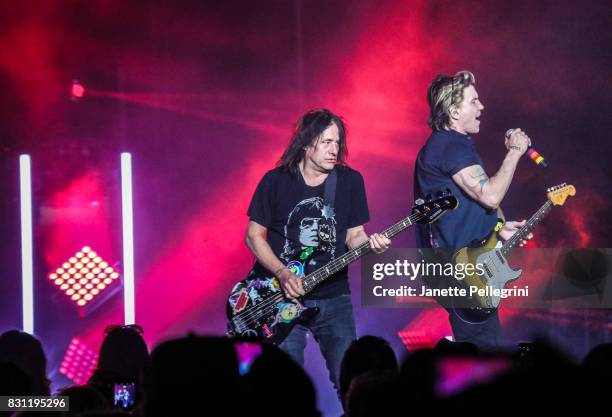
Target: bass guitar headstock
430, 210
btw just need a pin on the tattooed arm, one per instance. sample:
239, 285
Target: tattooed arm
489, 191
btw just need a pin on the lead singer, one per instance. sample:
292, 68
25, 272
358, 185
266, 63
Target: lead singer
449, 160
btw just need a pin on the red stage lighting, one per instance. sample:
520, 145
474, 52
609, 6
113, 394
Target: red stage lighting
415, 340
79, 362
84, 276
77, 90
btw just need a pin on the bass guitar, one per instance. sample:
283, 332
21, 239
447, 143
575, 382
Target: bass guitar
257, 306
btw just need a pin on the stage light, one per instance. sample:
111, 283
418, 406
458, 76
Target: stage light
79, 361
80, 283
415, 340
27, 256
129, 298
77, 90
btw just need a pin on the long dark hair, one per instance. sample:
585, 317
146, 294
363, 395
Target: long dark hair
310, 126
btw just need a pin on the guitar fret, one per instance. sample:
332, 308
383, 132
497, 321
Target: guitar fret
522, 233
313, 279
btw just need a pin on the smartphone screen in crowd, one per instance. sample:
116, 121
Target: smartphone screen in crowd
124, 395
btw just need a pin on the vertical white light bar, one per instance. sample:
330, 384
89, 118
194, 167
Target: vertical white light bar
128, 239
27, 269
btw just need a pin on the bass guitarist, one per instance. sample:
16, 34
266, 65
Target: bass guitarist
304, 214
449, 160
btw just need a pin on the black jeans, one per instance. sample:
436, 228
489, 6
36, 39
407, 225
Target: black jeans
333, 329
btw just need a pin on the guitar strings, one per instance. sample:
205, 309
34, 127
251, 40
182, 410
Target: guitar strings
417, 216
307, 280
265, 307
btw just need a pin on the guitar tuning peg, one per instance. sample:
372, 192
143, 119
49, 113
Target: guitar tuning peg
419, 201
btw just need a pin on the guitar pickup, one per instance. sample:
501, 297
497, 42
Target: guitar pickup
501, 257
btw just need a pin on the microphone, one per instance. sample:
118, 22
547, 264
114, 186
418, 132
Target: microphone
533, 154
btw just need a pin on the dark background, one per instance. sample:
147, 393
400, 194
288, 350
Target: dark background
204, 95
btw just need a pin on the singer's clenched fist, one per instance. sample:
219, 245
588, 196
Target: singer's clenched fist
518, 141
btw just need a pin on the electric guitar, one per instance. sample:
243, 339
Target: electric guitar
257, 306
492, 255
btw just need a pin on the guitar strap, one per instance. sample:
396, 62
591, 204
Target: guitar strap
329, 196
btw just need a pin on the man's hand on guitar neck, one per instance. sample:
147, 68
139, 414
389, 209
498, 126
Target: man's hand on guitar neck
356, 236
510, 228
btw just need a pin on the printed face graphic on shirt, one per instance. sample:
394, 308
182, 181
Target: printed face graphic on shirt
310, 225
309, 231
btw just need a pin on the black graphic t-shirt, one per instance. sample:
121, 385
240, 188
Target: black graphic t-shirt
302, 230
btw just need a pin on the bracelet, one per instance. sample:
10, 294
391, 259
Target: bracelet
279, 270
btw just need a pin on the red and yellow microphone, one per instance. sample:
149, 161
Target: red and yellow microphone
532, 153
